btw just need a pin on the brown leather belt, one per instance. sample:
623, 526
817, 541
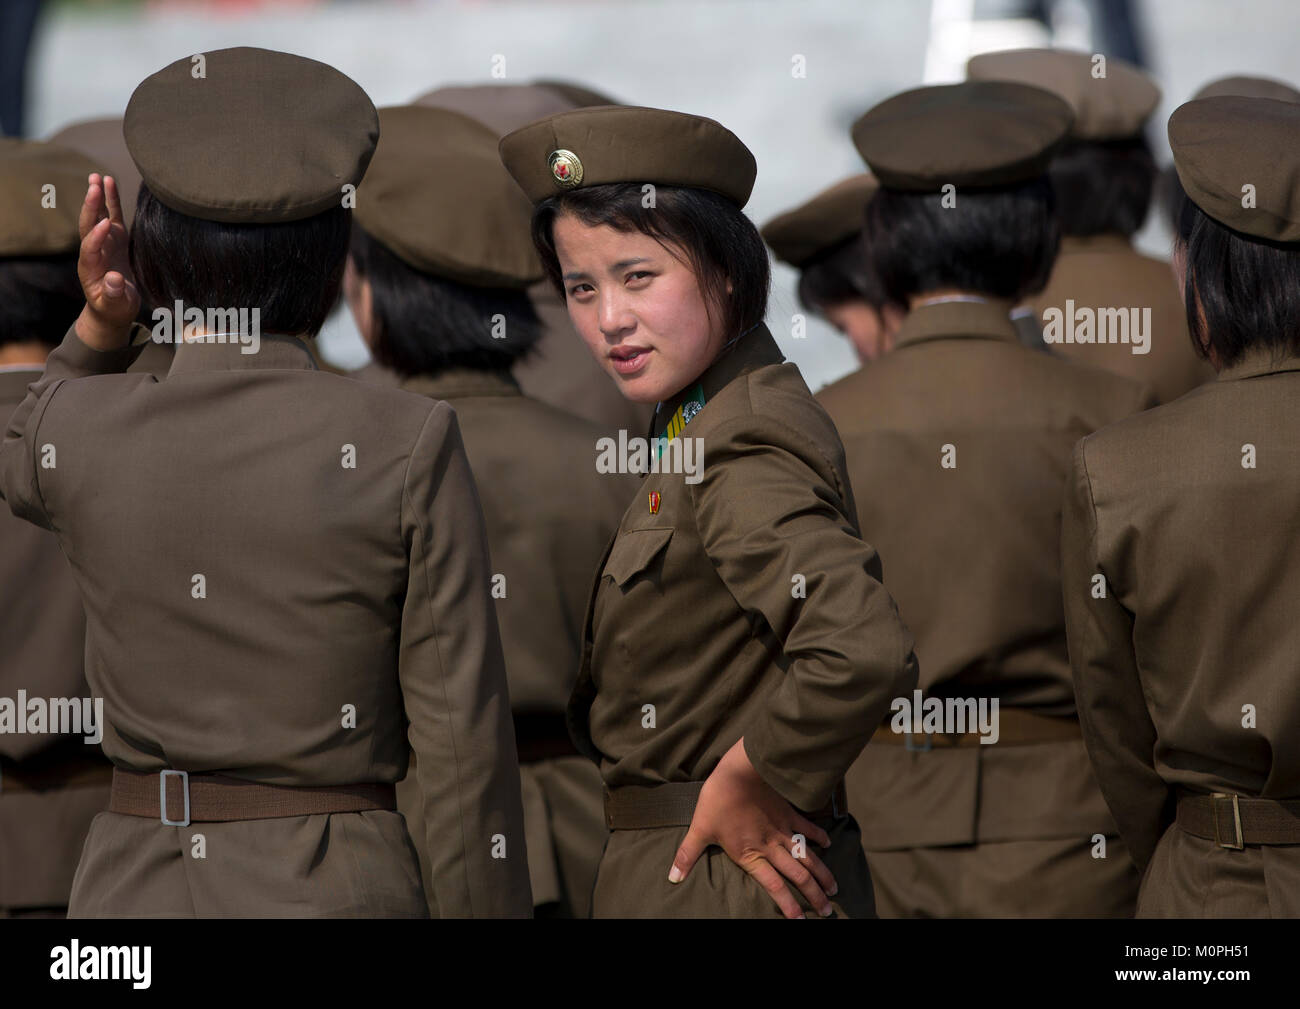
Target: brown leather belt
1234, 821
216, 798
47, 774
1016, 727
636, 807
542, 736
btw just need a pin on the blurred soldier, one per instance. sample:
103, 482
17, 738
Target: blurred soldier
437, 280
1181, 552
823, 240
51, 785
957, 443
1103, 177
285, 572
557, 370
102, 142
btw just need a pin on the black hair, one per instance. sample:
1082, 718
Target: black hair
1241, 292
424, 323
720, 243
1103, 187
842, 273
289, 271
1000, 242
40, 297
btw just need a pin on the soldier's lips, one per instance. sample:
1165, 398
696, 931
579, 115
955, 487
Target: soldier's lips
629, 360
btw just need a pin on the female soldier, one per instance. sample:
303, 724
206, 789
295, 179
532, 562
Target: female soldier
1181, 559
994, 814
823, 240
438, 280
279, 566
51, 785
738, 641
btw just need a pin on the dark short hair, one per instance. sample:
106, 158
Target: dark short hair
999, 242
425, 323
290, 272
720, 243
1103, 187
1171, 197
1248, 288
841, 273
40, 297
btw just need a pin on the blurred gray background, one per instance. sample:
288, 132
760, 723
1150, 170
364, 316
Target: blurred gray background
733, 60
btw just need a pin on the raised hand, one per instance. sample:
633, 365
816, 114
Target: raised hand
104, 268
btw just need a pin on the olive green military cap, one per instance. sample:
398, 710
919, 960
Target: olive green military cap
42, 188
250, 136
625, 143
503, 107
1111, 107
102, 142
1223, 145
438, 196
832, 216
977, 134
1245, 86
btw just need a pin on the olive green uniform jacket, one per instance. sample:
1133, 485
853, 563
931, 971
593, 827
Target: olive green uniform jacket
549, 514
42, 644
249, 613
1105, 271
958, 445
743, 603
1185, 668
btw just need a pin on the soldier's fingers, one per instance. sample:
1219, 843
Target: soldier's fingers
692, 847
771, 881
819, 869
113, 200
798, 873
89, 206
811, 831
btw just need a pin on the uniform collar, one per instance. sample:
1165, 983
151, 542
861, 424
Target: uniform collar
1265, 361
456, 383
753, 350
988, 319
1110, 241
275, 351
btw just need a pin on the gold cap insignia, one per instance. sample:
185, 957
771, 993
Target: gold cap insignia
566, 168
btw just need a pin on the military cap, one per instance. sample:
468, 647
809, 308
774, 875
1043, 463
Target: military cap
503, 107
625, 143
1246, 86
35, 220
438, 196
1113, 107
250, 136
977, 133
1222, 145
832, 216
102, 142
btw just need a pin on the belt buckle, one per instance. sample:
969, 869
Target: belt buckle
907, 743
162, 797
1239, 844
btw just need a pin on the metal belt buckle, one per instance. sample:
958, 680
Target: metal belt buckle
907, 743
162, 797
1239, 845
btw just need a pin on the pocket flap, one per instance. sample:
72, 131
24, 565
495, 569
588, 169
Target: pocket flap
633, 551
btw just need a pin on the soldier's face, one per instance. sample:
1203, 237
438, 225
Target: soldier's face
637, 306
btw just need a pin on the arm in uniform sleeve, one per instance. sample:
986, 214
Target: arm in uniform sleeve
768, 509
20, 453
453, 680
1112, 708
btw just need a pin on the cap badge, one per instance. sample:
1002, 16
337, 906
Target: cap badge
566, 168
654, 502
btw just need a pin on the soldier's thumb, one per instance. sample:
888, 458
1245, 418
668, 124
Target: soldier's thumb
688, 854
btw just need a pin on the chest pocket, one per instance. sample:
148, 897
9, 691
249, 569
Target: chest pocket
633, 551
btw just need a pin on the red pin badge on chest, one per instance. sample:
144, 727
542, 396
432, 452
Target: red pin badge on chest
654, 502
